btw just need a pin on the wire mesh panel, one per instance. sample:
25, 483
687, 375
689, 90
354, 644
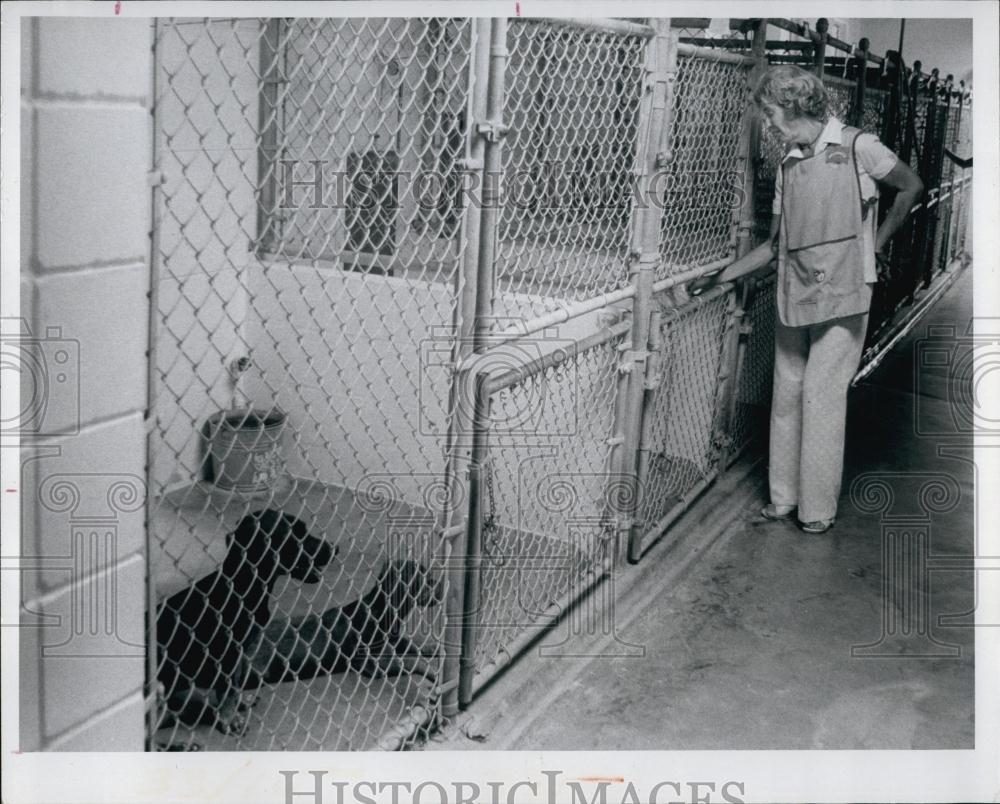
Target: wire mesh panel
875, 111
841, 93
302, 277
571, 107
918, 130
705, 178
752, 402
548, 497
680, 445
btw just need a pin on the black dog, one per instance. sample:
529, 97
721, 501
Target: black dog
205, 632
365, 635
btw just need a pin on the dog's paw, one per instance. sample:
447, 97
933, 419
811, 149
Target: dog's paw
248, 700
181, 746
235, 726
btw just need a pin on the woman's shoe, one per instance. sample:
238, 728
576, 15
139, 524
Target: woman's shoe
777, 513
820, 526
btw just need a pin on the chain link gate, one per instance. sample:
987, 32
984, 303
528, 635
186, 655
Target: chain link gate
302, 272
571, 95
684, 410
548, 495
749, 417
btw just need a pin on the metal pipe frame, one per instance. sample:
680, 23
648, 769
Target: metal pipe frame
713, 54
492, 129
513, 376
655, 124
597, 24
457, 449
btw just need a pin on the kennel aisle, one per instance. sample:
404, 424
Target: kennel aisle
740, 636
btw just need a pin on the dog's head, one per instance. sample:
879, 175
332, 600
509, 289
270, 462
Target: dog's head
411, 584
274, 544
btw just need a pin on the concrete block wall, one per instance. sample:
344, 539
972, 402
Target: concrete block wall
85, 200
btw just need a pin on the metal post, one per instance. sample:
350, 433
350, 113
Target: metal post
150, 689
653, 153
491, 130
458, 447
819, 46
861, 64
739, 333
271, 70
928, 216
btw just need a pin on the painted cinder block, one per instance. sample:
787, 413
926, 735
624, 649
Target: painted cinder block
119, 729
104, 315
106, 58
91, 167
92, 655
27, 186
75, 487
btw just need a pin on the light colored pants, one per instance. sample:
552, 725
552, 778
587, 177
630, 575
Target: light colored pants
813, 367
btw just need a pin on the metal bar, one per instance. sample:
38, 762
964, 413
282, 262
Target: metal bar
474, 550
493, 165
692, 273
652, 387
457, 448
267, 144
862, 85
813, 36
485, 277
520, 373
152, 660
743, 218
596, 24
888, 342
561, 315
713, 54
747, 220
726, 382
655, 123
550, 616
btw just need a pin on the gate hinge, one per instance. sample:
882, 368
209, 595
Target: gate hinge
746, 328
492, 131
469, 164
653, 380
155, 178
630, 357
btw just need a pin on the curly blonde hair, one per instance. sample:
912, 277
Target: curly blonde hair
798, 92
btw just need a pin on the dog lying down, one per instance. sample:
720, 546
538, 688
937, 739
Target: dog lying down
365, 635
205, 633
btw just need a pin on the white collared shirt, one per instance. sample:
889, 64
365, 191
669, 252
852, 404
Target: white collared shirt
874, 162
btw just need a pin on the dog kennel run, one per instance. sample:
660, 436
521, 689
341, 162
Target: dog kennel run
407, 292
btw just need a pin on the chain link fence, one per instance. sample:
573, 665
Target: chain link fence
704, 180
301, 275
570, 104
348, 542
550, 495
684, 407
749, 420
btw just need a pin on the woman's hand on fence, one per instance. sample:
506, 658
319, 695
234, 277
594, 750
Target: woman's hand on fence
703, 283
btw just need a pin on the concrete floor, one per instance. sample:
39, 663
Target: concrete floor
744, 628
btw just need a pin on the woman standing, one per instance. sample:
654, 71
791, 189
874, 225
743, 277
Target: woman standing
823, 231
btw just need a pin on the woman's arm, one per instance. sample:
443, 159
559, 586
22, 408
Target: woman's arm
909, 188
750, 262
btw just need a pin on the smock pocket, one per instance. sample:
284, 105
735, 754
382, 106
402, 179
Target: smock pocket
822, 270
